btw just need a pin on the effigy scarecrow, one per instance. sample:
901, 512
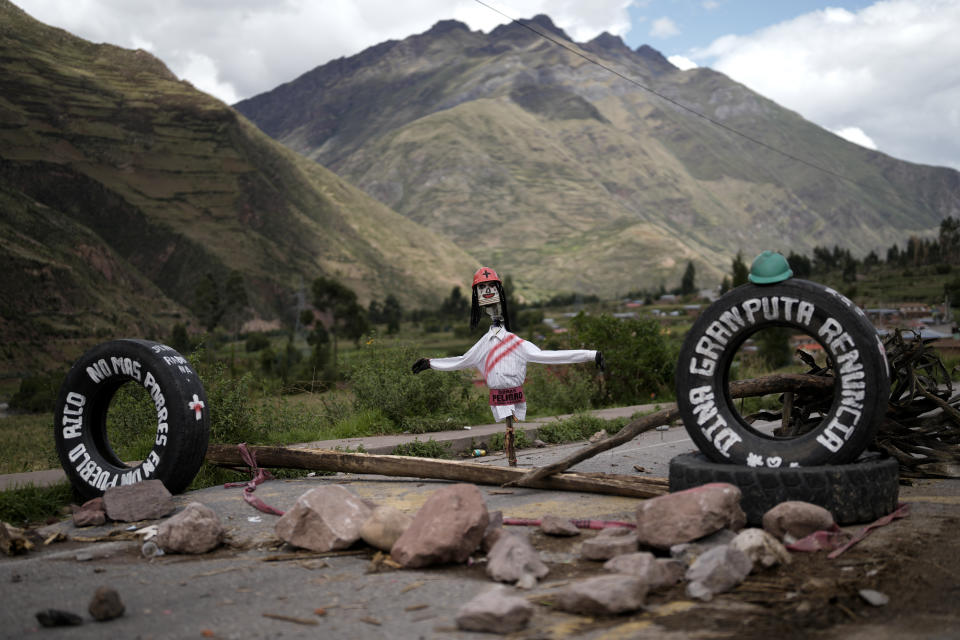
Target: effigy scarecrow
502, 356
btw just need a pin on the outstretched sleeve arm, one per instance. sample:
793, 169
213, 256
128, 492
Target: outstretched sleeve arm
534, 353
471, 358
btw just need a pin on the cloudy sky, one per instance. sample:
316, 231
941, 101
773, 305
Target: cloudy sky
882, 74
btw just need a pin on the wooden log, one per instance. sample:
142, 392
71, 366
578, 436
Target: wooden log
407, 466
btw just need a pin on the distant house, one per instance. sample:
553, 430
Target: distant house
914, 310
805, 342
883, 316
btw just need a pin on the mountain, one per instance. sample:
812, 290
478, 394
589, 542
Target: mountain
123, 190
549, 167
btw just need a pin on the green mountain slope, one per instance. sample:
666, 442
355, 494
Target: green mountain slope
121, 188
568, 177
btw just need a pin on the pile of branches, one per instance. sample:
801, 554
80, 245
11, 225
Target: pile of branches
921, 428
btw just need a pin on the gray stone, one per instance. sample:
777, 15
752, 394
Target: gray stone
797, 520
57, 618
642, 564
89, 514
672, 571
606, 546
716, 571
384, 527
196, 529
615, 531
874, 598
493, 531
324, 519
447, 528
495, 611
762, 548
557, 526
688, 515
658, 572
687, 552
106, 604
513, 557
598, 436
147, 500
603, 595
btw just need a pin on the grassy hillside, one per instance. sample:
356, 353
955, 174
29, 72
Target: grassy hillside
568, 177
122, 188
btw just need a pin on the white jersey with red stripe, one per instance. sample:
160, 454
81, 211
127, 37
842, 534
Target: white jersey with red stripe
502, 358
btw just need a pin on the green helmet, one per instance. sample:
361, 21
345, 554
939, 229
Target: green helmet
769, 267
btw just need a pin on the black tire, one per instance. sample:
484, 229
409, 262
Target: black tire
857, 492
861, 389
80, 419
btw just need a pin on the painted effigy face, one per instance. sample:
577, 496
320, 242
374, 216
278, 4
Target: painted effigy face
487, 293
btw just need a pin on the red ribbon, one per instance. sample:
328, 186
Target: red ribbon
259, 475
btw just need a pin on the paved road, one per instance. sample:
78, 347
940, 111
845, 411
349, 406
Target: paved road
236, 591
228, 592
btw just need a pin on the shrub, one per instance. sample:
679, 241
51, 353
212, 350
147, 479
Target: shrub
639, 360
382, 379
561, 389
429, 449
37, 394
578, 427
256, 342
520, 440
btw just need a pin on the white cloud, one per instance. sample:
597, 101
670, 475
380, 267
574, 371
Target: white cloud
682, 62
893, 68
856, 136
202, 73
663, 28
238, 48
710, 5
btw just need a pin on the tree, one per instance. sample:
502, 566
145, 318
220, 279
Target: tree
822, 260
235, 299
687, 283
800, 265
740, 270
950, 240
392, 313
348, 318
179, 339
773, 344
455, 306
849, 269
724, 285
207, 302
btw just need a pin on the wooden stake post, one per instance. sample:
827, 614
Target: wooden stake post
509, 444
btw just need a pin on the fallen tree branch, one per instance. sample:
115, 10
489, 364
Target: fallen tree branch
627, 433
407, 466
738, 389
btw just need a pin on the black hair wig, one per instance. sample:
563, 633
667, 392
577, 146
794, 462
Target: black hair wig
475, 311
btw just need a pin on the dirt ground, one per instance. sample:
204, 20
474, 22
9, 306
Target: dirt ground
914, 560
